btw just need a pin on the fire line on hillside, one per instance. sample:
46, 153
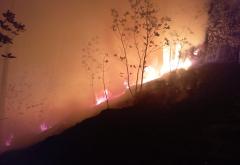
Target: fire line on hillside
171, 61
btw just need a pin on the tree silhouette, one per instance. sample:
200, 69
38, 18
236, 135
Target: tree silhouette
179, 38
138, 29
223, 29
9, 28
96, 66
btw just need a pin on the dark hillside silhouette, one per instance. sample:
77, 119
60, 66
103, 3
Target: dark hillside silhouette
194, 119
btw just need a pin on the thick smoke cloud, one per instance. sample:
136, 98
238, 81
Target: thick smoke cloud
47, 85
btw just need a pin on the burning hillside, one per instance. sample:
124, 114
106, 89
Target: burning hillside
158, 59
173, 59
202, 128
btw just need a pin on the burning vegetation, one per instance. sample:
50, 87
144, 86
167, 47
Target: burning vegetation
143, 37
157, 66
143, 33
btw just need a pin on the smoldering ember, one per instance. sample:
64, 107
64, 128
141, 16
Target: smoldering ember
119, 82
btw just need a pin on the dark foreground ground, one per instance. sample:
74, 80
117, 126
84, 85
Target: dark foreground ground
190, 118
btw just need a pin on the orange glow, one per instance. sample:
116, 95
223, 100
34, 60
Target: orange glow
171, 62
102, 98
9, 140
44, 127
150, 73
177, 62
195, 53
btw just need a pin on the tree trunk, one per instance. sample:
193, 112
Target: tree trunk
104, 84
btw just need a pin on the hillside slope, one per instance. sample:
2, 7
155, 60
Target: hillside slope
190, 117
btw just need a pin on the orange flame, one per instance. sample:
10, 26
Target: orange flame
170, 64
102, 98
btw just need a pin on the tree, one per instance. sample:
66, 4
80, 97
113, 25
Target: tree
96, 67
9, 28
175, 38
223, 30
106, 92
138, 28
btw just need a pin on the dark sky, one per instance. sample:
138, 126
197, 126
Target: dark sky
47, 75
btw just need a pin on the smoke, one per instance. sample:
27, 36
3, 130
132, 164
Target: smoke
47, 84
3, 87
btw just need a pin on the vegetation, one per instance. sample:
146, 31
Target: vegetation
139, 29
9, 28
223, 31
141, 32
96, 68
159, 130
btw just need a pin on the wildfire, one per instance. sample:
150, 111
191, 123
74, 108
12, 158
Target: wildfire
172, 60
44, 127
102, 97
9, 140
173, 63
125, 83
150, 73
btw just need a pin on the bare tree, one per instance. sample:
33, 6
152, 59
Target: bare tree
139, 28
119, 26
89, 63
96, 66
104, 62
9, 28
182, 39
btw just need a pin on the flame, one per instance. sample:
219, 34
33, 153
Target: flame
44, 127
150, 74
9, 140
125, 83
170, 64
195, 53
102, 98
